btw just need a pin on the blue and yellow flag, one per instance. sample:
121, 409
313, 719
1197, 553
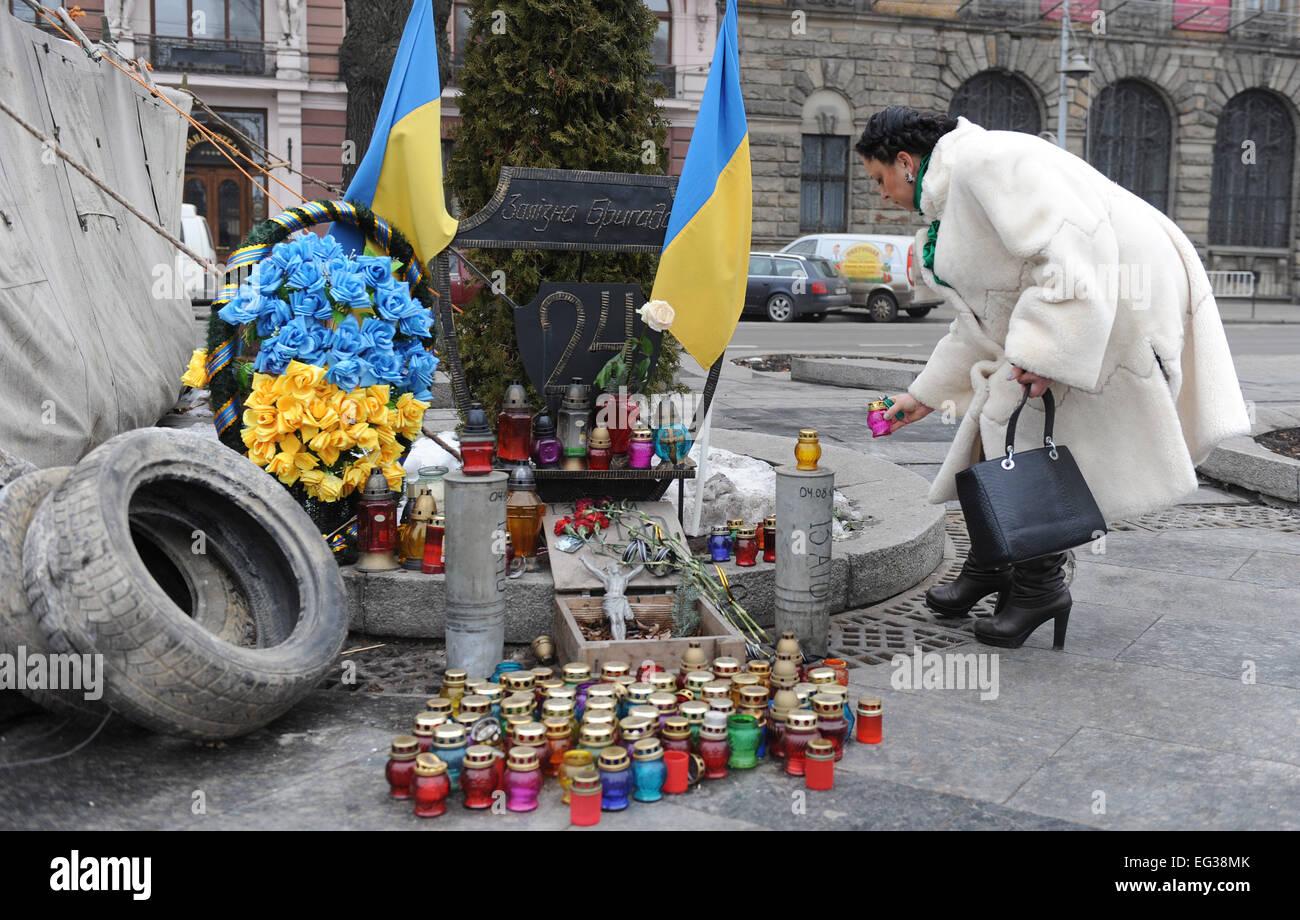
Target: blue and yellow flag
400, 177
705, 261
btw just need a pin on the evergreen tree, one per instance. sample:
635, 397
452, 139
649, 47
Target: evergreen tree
561, 84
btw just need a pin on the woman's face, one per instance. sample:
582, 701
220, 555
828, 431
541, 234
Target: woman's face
891, 178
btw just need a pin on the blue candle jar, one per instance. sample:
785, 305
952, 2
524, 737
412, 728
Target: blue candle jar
720, 544
648, 770
449, 744
615, 778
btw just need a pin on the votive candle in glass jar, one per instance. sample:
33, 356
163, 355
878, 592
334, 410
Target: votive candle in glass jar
615, 778
676, 734
478, 778
638, 694
744, 736
769, 538
841, 669
746, 547
575, 672
531, 735
739, 682
831, 723
869, 720
819, 765
841, 695
598, 449
693, 659
559, 741
714, 747
425, 723
632, 729
575, 762
640, 449
763, 670
800, 728
523, 782
807, 450
759, 715
453, 687
694, 712
439, 705
450, 745
666, 703
720, 544
776, 733
400, 769
584, 797
430, 787
595, 738
648, 770
695, 681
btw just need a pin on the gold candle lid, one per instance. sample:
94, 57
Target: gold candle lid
466, 720
624, 681
429, 765
805, 690
770, 520
822, 676
561, 693
735, 523
523, 758
473, 683
725, 667
404, 747
716, 690
693, 710
807, 434
645, 711
475, 703
557, 709
676, 727
664, 702
492, 691
820, 749
598, 438
612, 669
877, 405
634, 727
596, 735
826, 705
518, 704
550, 684
455, 677
601, 711
869, 706
647, 749
480, 755
557, 728
744, 679
613, 758
761, 668
449, 734
576, 672
746, 533
438, 704
801, 719
753, 697
578, 758
426, 722
600, 692
542, 673
697, 679
640, 691
725, 705
518, 680
530, 733
663, 680
835, 690
586, 782
642, 434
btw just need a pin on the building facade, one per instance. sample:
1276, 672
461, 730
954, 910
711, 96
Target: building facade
1191, 105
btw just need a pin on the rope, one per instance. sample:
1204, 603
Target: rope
97, 181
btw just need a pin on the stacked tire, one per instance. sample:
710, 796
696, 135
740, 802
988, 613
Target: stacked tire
210, 595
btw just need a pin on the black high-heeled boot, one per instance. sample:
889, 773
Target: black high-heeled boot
973, 584
1038, 594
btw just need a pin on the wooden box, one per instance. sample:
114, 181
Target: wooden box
578, 596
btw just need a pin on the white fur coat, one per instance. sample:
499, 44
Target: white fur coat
1058, 270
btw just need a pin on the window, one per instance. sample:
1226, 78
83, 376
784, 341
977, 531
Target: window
1266, 6
824, 182
760, 265
790, 268
804, 248
22, 11
1254, 146
999, 102
218, 20
1129, 140
661, 48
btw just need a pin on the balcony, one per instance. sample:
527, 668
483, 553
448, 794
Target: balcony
666, 74
205, 55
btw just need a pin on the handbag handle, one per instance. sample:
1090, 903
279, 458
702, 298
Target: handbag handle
1049, 405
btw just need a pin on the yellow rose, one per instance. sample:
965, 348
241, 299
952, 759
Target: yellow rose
330, 489
364, 436
387, 453
262, 453
263, 395
349, 411
311, 480
196, 375
376, 410
306, 460
291, 410
328, 455
411, 411
320, 414
355, 476
284, 468
301, 380
394, 474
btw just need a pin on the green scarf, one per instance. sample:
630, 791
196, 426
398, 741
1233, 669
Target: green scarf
931, 235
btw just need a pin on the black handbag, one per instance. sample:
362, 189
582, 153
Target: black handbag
1029, 504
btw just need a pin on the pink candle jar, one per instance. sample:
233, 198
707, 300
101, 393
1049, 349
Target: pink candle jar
523, 780
640, 449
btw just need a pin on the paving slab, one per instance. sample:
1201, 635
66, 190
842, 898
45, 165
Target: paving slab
1151, 784
1222, 647
1246, 537
1164, 552
1268, 568
1098, 630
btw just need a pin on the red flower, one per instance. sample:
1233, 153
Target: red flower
604, 520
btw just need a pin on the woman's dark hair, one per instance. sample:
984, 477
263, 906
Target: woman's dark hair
891, 131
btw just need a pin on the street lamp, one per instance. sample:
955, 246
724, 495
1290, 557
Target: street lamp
1075, 66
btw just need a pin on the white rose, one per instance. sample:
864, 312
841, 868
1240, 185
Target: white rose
657, 314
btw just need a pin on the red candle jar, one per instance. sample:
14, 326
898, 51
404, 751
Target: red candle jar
476, 442
819, 765
869, 718
559, 739
523, 779
800, 728
676, 734
841, 669
776, 735
584, 798
598, 449
769, 538
430, 787
831, 723
514, 425
746, 547
425, 723
400, 770
714, 746
478, 776
376, 526
679, 771
434, 536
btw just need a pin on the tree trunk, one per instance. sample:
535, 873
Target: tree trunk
366, 58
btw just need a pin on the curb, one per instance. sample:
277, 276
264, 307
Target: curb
1241, 462
889, 557
858, 373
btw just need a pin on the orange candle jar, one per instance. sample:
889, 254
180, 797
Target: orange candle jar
869, 720
841, 669
807, 450
559, 741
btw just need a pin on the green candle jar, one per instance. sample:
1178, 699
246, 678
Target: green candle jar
745, 735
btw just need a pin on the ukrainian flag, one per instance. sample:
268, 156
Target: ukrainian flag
400, 177
705, 261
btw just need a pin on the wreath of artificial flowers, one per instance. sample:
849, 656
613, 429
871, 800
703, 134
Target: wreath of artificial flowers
342, 372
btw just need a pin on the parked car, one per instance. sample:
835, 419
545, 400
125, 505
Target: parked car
879, 269
784, 286
464, 283
200, 285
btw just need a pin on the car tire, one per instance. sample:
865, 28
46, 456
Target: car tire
92, 593
780, 308
19, 501
882, 307
918, 312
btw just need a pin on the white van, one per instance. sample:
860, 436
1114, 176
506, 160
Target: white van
879, 269
200, 285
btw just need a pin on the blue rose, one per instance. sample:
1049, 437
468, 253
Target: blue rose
415, 321
392, 301
268, 276
350, 289
380, 367
307, 276
316, 348
327, 248
419, 371
378, 335
293, 337
346, 341
313, 305
344, 374
242, 308
376, 270
271, 358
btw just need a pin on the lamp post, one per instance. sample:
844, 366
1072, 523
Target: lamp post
1076, 67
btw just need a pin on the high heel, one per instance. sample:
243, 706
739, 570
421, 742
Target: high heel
1038, 594
972, 585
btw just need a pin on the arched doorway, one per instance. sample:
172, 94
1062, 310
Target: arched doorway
220, 192
998, 101
1130, 140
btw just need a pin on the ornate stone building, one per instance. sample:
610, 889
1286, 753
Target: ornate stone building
1191, 105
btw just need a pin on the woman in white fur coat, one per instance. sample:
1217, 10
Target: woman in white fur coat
1061, 278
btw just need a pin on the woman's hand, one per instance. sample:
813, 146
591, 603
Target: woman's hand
912, 410
1037, 385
